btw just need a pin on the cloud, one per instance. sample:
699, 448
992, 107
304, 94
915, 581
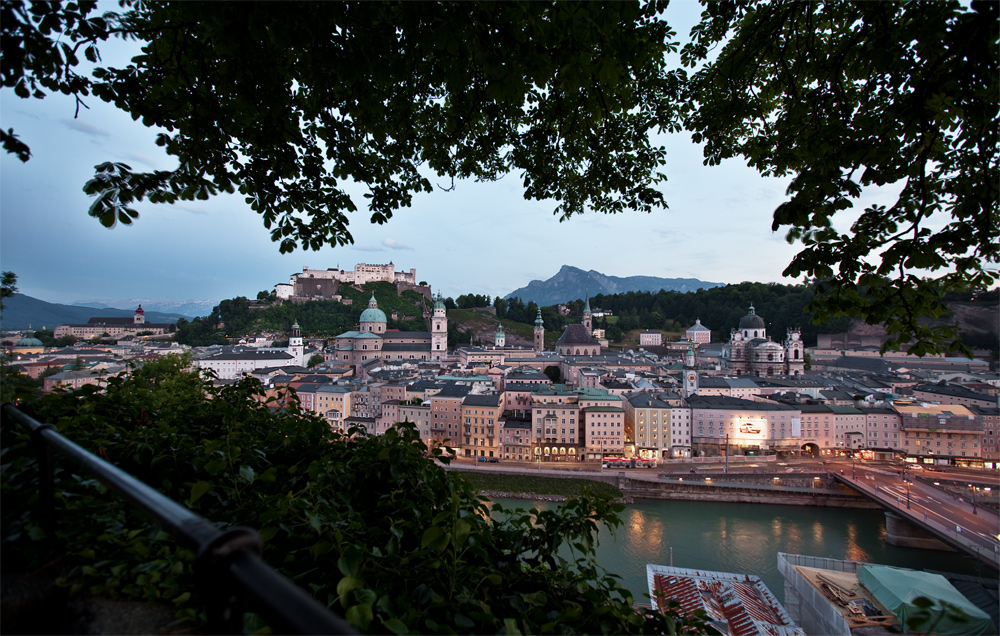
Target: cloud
190, 208
85, 127
143, 159
367, 248
395, 245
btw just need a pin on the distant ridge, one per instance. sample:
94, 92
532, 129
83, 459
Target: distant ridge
571, 283
20, 312
187, 308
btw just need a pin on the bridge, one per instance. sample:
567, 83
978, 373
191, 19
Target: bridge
913, 504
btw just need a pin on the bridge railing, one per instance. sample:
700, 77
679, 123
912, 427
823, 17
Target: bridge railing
931, 520
234, 574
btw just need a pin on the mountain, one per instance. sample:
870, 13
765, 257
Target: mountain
571, 283
188, 308
22, 312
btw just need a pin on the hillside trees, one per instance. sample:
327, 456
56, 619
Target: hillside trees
847, 96
313, 495
287, 103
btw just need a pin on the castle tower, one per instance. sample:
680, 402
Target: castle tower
500, 338
295, 346
139, 318
690, 373
439, 331
587, 321
539, 331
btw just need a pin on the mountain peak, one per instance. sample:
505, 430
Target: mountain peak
572, 283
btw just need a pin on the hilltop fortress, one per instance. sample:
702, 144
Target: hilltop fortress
323, 284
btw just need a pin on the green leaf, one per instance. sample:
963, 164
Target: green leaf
434, 537
247, 474
396, 626
198, 490
345, 586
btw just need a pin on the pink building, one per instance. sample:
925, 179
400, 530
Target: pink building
699, 333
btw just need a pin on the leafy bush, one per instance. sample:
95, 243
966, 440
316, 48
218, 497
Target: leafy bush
366, 524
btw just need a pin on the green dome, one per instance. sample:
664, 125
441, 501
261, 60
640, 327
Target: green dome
439, 304
29, 342
373, 314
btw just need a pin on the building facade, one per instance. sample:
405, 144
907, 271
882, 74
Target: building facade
751, 352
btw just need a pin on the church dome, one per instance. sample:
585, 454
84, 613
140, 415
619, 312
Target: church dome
373, 314
752, 320
29, 342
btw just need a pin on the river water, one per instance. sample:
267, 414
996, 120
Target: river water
746, 538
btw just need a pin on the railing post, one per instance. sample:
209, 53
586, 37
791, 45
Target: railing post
225, 614
46, 479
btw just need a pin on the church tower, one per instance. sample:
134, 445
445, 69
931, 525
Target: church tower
500, 338
795, 357
295, 347
690, 374
587, 321
539, 332
139, 317
439, 331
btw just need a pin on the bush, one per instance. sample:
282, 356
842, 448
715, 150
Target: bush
366, 524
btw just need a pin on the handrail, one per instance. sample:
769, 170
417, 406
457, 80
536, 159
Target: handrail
230, 559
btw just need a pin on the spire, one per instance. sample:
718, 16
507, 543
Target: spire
586, 305
751, 311
539, 323
372, 303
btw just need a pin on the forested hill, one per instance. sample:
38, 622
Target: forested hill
319, 318
720, 309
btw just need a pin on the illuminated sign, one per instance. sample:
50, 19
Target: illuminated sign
747, 427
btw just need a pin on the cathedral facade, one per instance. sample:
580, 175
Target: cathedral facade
750, 351
372, 341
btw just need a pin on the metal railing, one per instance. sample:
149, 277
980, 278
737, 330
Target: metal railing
233, 574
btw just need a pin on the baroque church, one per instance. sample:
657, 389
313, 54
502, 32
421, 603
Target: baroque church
750, 351
373, 342
578, 339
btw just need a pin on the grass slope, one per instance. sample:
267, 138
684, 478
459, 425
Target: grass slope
528, 484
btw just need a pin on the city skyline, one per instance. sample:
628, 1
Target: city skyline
480, 238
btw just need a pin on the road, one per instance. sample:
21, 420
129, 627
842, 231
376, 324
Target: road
945, 514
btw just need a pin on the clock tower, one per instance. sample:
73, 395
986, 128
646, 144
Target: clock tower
690, 374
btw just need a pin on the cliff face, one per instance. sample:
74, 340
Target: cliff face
571, 283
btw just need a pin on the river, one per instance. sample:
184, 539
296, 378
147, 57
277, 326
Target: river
746, 538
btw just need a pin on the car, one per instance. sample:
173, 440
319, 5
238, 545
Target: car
494, 460
481, 459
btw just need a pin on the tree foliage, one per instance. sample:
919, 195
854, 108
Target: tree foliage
8, 286
844, 96
342, 515
287, 105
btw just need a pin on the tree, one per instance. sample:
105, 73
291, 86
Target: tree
840, 96
844, 96
553, 373
8, 286
315, 360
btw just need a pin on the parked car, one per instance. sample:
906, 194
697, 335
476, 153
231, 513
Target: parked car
481, 459
494, 460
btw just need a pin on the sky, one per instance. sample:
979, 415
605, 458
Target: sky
482, 238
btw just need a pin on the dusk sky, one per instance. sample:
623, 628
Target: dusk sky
482, 237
